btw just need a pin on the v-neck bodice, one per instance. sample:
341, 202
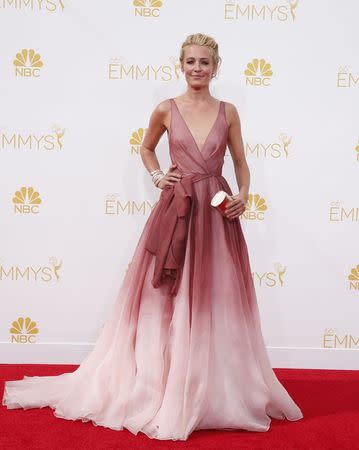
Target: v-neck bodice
189, 130
184, 150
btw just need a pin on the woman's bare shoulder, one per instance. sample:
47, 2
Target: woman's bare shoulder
230, 107
161, 113
163, 107
231, 112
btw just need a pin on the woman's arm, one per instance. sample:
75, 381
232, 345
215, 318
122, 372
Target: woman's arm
155, 130
236, 147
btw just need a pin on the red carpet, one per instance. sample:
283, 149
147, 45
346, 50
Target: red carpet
329, 400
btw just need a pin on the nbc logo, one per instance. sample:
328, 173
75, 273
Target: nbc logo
353, 278
26, 201
136, 140
357, 150
258, 72
255, 208
28, 63
147, 8
23, 331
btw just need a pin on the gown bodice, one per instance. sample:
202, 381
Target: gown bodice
184, 150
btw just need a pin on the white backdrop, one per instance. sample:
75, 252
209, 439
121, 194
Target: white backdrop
79, 81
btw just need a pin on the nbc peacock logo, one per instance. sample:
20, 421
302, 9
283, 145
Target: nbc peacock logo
264, 12
136, 141
23, 331
353, 278
26, 201
258, 73
27, 63
147, 8
357, 150
255, 208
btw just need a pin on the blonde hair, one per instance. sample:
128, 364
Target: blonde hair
206, 41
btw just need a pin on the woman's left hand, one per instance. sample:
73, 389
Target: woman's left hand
236, 207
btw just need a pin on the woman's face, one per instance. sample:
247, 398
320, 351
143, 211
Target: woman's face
198, 65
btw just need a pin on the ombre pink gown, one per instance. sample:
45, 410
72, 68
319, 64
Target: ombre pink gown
165, 364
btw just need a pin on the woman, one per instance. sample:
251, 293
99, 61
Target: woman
182, 348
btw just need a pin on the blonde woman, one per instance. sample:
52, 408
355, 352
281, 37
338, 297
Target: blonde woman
182, 348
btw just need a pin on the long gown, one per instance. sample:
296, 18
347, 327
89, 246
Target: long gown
166, 363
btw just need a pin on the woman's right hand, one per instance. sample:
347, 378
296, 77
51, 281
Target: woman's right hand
170, 178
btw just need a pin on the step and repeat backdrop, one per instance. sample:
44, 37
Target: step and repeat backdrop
79, 80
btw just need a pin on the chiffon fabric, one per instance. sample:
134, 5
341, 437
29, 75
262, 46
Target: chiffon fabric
166, 364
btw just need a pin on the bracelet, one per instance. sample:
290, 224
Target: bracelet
158, 180
155, 171
157, 175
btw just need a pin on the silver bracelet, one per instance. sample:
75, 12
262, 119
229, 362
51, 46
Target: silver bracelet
157, 181
155, 171
157, 175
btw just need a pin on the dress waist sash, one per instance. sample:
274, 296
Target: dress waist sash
168, 233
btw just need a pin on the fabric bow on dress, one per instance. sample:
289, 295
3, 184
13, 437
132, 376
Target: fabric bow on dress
167, 237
